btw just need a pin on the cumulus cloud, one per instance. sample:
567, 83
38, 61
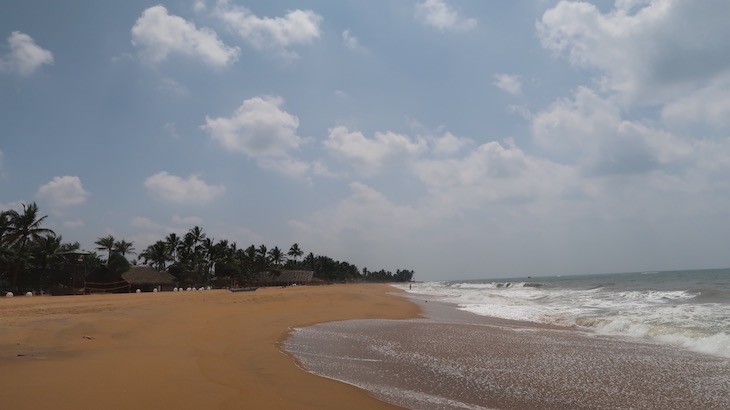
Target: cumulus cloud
172, 188
350, 41
25, 56
710, 105
647, 51
491, 172
438, 14
365, 211
297, 27
589, 130
258, 128
449, 144
367, 155
63, 191
158, 34
509, 83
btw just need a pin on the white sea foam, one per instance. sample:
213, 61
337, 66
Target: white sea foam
668, 316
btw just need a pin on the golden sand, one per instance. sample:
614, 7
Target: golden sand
173, 350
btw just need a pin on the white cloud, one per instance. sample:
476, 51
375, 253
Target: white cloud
175, 189
158, 34
199, 6
369, 156
709, 104
438, 14
171, 129
449, 144
63, 191
366, 213
298, 27
509, 83
258, 128
320, 169
25, 55
287, 166
590, 131
74, 224
491, 172
648, 51
350, 41
146, 223
187, 220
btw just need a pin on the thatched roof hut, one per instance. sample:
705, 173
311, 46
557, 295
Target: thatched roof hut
283, 277
147, 278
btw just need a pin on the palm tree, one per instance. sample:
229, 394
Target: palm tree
48, 255
5, 252
23, 229
106, 243
158, 254
197, 235
124, 247
310, 260
173, 242
295, 252
262, 260
276, 256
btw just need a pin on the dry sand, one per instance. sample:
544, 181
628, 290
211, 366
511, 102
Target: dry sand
213, 349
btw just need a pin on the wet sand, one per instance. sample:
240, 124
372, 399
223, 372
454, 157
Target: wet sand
456, 360
187, 350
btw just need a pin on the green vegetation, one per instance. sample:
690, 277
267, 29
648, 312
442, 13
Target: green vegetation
35, 258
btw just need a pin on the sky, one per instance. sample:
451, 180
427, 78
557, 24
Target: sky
461, 139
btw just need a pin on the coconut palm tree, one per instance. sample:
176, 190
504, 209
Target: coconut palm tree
22, 230
106, 243
5, 251
295, 252
124, 247
197, 235
276, 256
47, 256
173, 242
158, 254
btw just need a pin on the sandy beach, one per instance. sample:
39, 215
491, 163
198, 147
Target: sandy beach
214, 349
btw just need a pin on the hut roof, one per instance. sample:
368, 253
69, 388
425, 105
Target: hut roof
286, 275
145, 275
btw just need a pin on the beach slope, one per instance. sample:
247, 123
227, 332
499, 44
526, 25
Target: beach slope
214, 349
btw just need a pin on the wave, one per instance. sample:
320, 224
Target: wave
716, 344
492, 285
682, 318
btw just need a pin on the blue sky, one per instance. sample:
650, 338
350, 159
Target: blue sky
461, 139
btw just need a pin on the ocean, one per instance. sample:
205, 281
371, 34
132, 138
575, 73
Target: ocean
643, 340
690, 309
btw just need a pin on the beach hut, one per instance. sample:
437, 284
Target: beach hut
147, 279
283, 277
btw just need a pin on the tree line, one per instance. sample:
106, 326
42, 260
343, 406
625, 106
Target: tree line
36, 258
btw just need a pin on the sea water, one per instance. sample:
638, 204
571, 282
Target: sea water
689, 308
648, 340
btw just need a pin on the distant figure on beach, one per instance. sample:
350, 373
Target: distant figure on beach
410, 286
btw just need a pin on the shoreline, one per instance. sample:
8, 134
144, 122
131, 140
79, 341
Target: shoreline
457, 359
214, 349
